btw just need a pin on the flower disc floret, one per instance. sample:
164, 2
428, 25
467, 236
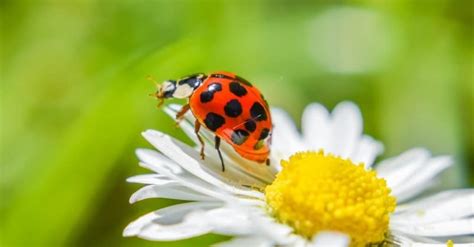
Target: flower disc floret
320, 192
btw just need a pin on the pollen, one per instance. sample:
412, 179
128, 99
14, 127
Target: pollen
320, 192
450, 243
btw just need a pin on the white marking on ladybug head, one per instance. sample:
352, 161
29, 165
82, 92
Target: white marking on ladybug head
166, 89
168, 86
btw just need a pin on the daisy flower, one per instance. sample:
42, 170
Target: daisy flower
322, 189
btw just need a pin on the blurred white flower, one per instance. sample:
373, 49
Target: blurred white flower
247, 202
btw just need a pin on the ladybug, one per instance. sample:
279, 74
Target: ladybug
227, 105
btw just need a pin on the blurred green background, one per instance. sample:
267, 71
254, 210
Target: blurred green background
74, 97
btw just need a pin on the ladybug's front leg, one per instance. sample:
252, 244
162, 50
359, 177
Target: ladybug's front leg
197, 127
218, 143
181, 113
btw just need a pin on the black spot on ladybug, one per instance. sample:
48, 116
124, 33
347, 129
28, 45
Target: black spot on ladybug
233, 108
214, 121
242, 80
250, 125
239, 136
257, 111
208, 95
237, 89
264, 134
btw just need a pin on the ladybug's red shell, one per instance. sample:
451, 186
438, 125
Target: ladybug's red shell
236, 111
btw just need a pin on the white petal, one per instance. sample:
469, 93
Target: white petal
411, 172
339, 133
330, 239
188, 158
183, 177
192, 219
397, 169
191, 182
406, 195
316, 127
172, 190
401, 239
346, 128
446, 206
235, 223
298, 242
286, 139
366, 151
266, 226
416, 244
443, 229
253, 241
172, 223
157, 161
424, 176
155, 179
232, 219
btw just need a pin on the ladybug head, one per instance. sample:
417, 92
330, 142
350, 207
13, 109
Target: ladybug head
181, 89
166, 89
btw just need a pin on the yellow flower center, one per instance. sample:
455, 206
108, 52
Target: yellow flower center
316, 192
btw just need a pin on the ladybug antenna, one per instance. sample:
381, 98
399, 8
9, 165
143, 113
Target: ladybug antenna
156, 94
151, 79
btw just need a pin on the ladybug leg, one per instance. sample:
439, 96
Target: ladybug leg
180, 114
218, 143
160, 103
197, 127
267, 162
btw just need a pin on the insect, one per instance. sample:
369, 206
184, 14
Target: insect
227, 105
